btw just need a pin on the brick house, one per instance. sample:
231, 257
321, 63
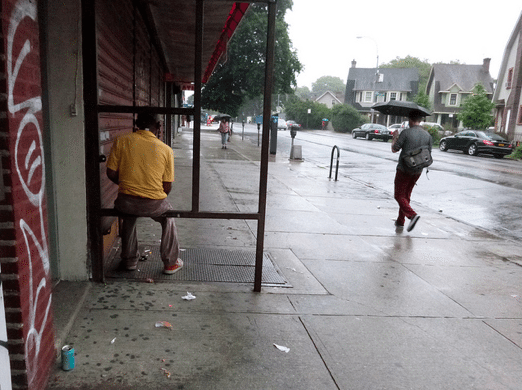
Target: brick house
507, 96
450, 84
367, 86
72, 76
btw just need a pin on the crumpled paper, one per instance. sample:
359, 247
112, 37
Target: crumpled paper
282, 348
163, 324
188, 297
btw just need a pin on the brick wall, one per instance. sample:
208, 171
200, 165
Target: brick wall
24, 254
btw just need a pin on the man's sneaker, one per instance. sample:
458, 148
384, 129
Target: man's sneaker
413, 222
172, 269
399, 225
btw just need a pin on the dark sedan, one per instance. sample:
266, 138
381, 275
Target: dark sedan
371, 131
474, 142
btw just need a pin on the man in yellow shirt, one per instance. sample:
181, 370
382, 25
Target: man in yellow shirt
143, 168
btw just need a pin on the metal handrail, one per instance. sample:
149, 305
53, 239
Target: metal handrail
331, 162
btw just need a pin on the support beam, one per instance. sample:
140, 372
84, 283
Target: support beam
267, 104
145, 110
92, 138
196, 151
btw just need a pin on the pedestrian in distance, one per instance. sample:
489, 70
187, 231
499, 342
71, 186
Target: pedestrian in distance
143, 168
224, 130
405, 179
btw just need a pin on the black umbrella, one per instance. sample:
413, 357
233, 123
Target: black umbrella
401, 108
224, 116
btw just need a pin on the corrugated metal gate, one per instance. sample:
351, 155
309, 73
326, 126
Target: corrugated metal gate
130, 73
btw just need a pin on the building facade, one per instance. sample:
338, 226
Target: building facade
328, 99
449, 85
367, 86
507, 96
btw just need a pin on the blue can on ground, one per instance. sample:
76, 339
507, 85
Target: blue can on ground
67, 358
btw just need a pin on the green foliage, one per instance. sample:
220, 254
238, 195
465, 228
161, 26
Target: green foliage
434, 132
345, 118
303, 93
241, 73
328, 83
476, 110
298, 111
516, 154
422, 100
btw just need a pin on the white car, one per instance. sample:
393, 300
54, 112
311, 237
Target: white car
394, 127
281, 124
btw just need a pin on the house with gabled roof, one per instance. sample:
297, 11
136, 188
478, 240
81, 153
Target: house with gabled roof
450, 84
507, 96
329, 99
367, 86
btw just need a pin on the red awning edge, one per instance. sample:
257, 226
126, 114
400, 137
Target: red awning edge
236, 14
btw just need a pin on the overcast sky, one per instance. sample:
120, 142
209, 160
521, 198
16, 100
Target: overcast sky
324, 33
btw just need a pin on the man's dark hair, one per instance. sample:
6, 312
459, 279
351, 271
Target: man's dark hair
415, 118
146, 121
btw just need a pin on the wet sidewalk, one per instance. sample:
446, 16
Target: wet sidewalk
362, 305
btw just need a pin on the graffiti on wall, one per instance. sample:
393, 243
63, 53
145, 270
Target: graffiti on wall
25, 110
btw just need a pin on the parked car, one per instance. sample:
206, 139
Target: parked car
474, 142
425, 125
293, 125
396, 126
371, 131
281, 124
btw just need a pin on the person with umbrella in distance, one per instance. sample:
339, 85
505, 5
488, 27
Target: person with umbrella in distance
409, 139
224, 130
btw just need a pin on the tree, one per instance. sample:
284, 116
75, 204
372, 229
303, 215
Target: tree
328, 83
241, 76
303, 93
298, 111
476, 110
345, 118
422, 100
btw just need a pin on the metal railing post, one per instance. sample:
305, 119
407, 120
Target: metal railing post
331, 162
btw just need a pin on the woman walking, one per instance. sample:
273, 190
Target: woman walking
224, 130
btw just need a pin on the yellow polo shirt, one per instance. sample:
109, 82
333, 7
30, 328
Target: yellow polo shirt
143, 163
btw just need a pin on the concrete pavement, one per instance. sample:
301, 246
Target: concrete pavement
369, 307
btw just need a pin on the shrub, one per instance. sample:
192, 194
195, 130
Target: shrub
434, 132
298, 111
516, 154
345, 118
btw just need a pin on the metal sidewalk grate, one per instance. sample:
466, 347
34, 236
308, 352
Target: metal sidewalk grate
200, 265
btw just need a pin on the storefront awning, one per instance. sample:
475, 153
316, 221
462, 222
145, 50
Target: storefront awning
175, 28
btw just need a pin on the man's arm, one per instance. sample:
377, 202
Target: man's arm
113, 176
167, 187
394, 141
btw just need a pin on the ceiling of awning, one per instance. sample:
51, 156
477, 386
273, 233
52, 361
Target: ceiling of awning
175, 25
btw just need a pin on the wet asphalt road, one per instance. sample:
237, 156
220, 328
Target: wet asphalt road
479, 190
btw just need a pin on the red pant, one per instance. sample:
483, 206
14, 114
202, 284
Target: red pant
404, 184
